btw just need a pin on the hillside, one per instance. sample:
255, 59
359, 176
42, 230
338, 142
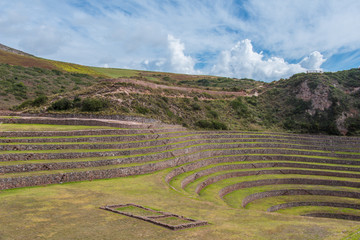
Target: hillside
307, 103
316, 103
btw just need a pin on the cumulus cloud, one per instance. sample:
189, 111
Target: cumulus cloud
179, 61
241, 61
135, 33
155, 65
313, 61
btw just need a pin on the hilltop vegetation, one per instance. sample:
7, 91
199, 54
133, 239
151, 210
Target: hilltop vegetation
316, 103
18, 84
308, 103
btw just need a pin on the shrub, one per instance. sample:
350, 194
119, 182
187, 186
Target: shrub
213, 114
240, 107
353, 125
40, 100
62, 104
195, 107
165, 99
24, 104
56, 72
252, 100
93, 105
19, 89
219, 125
211, 125
203, 82
142, 110
313, 84
77, 102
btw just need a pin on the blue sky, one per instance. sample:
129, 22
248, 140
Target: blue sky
260, 39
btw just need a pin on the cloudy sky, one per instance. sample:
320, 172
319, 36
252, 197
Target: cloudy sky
260, 39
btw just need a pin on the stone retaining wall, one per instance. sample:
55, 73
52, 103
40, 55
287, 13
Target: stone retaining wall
79, 121
92, 116
322, 204
84, 132
292, 192
334, 215
222, 159
209, 171
248, 184
298, 181
153, 142
15, 182
189, 149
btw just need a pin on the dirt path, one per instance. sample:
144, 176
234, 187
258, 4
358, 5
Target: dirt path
185, 89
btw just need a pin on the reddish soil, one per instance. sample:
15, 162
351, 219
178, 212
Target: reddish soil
26, 61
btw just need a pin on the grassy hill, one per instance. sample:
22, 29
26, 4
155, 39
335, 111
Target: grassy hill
308, 103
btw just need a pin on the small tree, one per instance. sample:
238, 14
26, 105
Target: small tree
93, 105
62, 104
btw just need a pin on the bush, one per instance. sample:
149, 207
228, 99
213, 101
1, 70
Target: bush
240, 107
77, 102
24, 104
211, 125
142, 110
19, 89
353, 126
62, 104
213, 114
93, 105
39, 101
195, 107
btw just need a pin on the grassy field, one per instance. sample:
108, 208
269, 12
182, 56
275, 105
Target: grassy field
115, 72
47, 127
71, 211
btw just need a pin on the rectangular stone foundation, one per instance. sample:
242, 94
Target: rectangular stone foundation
156, 217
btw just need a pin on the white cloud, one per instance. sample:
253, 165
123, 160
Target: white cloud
294, 28
313, 61
88, 32
155, 65
179, 62
241, 61
44, 41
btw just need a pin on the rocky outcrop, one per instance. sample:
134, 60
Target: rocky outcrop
319, 98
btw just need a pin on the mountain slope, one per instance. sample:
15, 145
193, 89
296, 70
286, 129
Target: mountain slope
308, 103
316, 103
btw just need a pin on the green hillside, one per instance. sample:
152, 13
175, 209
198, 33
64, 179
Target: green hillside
307, 103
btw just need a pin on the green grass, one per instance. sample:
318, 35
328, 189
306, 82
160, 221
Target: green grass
152, 140
137, 211
71, 211
83, 136
176, 181
210, 193
47, 127
307, 151
234, 199
9, 117
115, 72
190, 188
172, 220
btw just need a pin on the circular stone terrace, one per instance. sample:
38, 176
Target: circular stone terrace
307, 175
